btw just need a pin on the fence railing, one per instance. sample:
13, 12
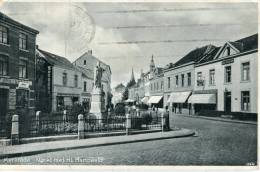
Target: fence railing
37, 127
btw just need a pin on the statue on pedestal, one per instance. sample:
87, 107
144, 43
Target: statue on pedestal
96, 100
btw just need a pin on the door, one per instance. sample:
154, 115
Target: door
228, 101
3, 111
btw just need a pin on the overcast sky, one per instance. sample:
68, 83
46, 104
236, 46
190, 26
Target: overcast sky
125, 35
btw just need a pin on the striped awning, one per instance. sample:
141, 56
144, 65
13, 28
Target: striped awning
202, 99
179, 97
154, 99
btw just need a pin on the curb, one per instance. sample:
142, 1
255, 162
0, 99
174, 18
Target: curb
29, 153
217, 119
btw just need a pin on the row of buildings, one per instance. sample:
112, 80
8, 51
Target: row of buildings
33, 79
220, 78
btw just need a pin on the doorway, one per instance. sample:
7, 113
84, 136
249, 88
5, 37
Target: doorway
3, 111
227, 101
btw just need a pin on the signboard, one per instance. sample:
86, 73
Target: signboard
227, 61
23, 85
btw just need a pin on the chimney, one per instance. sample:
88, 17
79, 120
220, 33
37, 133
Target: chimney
90, 52
37, 46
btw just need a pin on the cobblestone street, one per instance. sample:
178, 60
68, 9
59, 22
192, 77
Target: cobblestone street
216, 143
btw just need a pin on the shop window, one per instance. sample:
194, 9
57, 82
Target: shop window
245, 71
245, 100
60, 103
22, 98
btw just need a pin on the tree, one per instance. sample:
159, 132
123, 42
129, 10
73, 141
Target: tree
125, 94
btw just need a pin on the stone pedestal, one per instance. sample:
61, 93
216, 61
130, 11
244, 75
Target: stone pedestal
96, 103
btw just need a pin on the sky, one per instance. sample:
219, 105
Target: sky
126, 35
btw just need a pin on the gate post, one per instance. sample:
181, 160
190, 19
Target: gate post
15, 130
80, 126
163, 121
37, 120
128, 123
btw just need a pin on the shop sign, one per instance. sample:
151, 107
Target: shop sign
228, 61
23, 85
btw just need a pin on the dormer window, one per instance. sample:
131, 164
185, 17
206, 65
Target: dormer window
228, 51
85, 62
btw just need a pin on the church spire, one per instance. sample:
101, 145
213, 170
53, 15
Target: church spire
152, 65
132, 75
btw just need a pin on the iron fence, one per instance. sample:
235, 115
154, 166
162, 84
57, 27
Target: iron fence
105, 125
37, 128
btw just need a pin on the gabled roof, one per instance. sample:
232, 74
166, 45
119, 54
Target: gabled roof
241, 45
54, 59
210, 56
89, 55
194, 55
86, 72
120, 86
16, 23
247, 43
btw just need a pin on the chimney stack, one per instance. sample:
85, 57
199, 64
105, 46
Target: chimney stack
90, 52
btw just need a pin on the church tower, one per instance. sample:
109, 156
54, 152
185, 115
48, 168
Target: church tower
152, 67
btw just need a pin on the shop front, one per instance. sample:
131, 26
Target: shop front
178, 102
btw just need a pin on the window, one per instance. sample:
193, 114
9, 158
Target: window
189, 79
212, 77
169, 82
76, 80
3, 35
245, 71
22, 68
228, 51
161, 85
64, 79
228, 74
245, 100
3, 65
22, 41
85, 86
200, 82
176, 80
85, 62
151, 87
157, 85
182, 80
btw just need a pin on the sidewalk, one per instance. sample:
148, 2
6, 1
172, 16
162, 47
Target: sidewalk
218, 119
43, 147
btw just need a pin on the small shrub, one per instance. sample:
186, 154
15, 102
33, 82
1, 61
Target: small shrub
120, 109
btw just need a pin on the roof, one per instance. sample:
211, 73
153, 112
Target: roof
54, 59
120, 86
16, 23
86, 72
194, 55
210, 56
247, 43
90, 56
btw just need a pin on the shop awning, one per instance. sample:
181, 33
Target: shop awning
154, 99
129, 101
179, 97
145, 100
202, 99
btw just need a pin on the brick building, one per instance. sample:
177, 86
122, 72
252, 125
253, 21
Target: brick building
17, 69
